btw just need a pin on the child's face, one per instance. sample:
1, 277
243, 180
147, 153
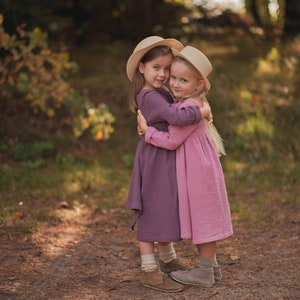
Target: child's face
156, 72
184, 81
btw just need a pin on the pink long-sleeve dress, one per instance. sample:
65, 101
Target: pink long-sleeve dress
203, 203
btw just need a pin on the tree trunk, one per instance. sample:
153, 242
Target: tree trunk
252, 8
292, 18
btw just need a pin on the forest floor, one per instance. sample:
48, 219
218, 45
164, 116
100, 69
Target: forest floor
84, 255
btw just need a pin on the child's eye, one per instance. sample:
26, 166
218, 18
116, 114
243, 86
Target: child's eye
172, 77
183, 80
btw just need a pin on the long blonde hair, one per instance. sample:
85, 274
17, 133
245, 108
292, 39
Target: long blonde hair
215, 137
213, 133
200, 96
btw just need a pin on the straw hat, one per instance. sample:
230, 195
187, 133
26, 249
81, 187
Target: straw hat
143, 47
198, 60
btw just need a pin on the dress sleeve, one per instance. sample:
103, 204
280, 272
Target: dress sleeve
171, 139
172, 113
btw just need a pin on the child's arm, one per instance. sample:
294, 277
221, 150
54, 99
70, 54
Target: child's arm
160, 110
204, 109
170, 140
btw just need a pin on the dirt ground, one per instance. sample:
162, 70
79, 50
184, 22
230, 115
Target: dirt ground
95, 256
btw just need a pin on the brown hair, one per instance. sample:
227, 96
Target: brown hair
138, 78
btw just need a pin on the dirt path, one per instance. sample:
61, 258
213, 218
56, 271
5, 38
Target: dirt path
88, 256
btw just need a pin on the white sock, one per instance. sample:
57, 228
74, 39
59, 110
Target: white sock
166, 253
149, 263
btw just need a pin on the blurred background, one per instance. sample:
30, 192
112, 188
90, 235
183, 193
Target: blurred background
67, 135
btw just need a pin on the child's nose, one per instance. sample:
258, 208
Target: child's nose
176, 83
163, 73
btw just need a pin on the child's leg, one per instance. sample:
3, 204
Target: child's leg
149, 262
152, 277
203, 275
207, 250
166, 252
167, 258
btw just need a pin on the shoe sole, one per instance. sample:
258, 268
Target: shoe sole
192, 283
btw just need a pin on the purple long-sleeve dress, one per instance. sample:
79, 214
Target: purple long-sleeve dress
203, 203
153, 188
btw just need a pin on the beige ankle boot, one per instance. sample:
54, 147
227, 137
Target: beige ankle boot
159, 281
173, 265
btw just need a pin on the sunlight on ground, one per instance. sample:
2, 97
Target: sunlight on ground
60, 237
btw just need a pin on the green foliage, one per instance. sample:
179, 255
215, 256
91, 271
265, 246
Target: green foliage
276, 104
26, 151
128, 160
29, 154
255, 95
65, 161
30, 71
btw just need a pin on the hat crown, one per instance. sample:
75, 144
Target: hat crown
197, 59
147, 42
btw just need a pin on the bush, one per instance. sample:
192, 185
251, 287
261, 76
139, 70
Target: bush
31, 72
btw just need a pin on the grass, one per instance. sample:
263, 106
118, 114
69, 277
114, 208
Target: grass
32, 195
263, 193
261, 168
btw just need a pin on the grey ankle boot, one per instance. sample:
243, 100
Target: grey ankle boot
203, 276
195, 277
217, 270
217, 273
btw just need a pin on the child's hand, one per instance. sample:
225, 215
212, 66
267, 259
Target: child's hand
142, 124
206, 111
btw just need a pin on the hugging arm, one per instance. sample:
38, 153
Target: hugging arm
170, 140
159, 110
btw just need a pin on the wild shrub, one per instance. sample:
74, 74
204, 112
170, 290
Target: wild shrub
31, 72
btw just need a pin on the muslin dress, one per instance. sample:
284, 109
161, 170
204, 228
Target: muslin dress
153, 188
203, 203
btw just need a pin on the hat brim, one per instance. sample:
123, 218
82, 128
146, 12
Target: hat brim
135, 57
178, 53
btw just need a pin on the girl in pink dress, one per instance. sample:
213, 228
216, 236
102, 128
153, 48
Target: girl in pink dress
203, 204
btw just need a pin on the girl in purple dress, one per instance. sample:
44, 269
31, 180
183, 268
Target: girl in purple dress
153, 188
203, 203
